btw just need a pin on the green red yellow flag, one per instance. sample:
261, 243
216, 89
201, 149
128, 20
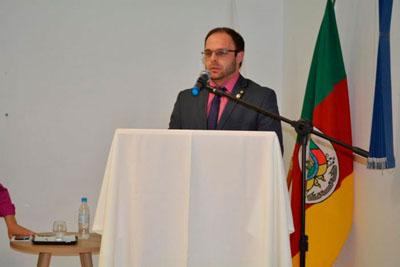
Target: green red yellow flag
329, 194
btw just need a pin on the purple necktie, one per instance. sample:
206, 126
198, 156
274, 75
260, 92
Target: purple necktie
212, 120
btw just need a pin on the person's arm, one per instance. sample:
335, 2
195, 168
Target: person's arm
7, 210
14, 228
175, 120
265, 123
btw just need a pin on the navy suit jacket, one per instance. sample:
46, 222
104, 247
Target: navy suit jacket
190, 112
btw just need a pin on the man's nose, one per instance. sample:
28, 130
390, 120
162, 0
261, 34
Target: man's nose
213, 56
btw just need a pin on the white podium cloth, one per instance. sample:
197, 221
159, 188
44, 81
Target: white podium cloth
184, 198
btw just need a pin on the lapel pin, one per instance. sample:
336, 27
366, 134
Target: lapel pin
240, 94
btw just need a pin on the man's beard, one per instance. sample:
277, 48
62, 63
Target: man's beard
231, 68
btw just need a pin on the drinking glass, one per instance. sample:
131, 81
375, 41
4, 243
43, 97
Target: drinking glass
59, 228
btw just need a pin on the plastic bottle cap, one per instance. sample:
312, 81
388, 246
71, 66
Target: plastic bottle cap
84, 199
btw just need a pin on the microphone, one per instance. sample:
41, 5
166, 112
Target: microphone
201, 82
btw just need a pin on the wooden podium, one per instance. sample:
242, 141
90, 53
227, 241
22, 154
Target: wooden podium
185, 198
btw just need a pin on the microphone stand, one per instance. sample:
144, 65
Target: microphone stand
304, 129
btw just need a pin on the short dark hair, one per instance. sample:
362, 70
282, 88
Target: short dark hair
236, 37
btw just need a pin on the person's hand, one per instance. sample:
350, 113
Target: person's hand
14, 228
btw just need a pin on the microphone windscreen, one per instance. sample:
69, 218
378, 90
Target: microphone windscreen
201, 82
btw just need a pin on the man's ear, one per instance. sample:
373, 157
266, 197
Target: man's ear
239, 57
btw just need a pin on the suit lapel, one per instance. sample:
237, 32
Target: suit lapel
241, 84
202, 106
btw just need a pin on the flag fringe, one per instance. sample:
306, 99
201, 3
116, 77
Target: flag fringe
377, 163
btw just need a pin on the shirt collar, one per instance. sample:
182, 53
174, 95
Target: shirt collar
228, 84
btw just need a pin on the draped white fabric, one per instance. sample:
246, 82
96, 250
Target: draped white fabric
185, 198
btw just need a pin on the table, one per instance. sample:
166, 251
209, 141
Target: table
83, 248
184, 198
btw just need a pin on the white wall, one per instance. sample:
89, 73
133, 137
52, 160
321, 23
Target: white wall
376, 233
71, 72
375, 237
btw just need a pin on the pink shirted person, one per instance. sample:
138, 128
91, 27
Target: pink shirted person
7, 210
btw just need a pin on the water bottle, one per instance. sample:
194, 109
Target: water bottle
83, 219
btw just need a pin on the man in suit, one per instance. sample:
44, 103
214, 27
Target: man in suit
223, 56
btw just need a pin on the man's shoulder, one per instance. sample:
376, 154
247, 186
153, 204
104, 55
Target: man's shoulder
186, 92
187, 95
254, 87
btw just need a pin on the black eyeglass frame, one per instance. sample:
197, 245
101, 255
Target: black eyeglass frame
218, 52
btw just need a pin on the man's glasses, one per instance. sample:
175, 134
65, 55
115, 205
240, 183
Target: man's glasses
218, 53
